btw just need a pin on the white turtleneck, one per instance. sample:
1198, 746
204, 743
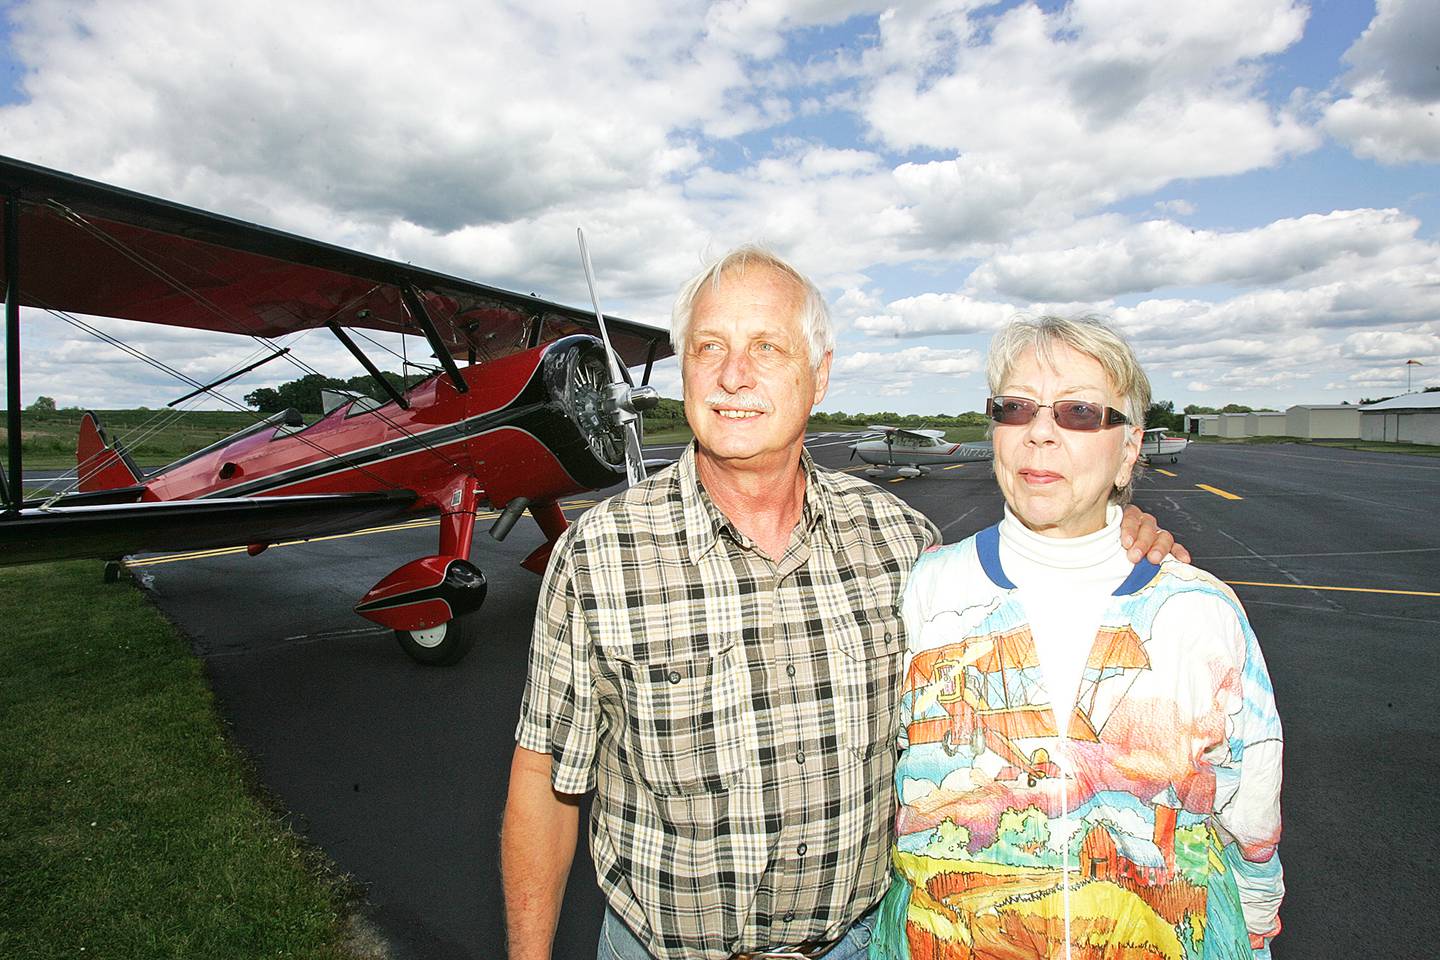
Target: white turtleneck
1064, 586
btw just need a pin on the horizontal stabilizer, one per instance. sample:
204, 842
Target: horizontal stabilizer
100, 463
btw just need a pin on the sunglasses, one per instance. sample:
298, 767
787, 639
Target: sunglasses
1070, 414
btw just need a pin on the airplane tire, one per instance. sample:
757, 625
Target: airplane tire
444, 646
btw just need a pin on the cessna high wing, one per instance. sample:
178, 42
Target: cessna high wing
526, 404
912, 453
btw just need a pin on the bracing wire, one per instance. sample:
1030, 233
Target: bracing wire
239, 323
221, 314
255, 415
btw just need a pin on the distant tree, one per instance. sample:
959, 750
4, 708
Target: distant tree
1431, 390
1196, 408
365, 384
1161, 413
265, 399
668, 413
1236, 408
42, 405
304, 394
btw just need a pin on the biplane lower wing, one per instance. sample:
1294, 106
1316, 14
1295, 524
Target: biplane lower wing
110, 531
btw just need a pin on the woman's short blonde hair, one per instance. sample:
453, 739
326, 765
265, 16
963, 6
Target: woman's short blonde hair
1089, 335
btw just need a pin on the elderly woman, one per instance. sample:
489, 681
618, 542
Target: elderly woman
1090, 756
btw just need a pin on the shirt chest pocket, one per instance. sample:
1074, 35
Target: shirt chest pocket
867, 674
686, 721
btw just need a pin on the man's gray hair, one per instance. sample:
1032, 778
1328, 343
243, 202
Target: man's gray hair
1089, 335
814, 317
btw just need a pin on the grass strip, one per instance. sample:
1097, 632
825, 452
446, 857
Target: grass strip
1371, 446
128, 823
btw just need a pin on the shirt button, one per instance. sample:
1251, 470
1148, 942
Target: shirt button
790, 670
888, 638
802, 848
800, 756
789, 916
674, 676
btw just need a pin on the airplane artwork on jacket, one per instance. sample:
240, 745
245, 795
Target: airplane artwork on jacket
911, 453
525, 404
1156, 444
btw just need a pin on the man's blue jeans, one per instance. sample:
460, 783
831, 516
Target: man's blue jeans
618, 943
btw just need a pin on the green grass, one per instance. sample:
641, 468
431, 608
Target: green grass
1374, 446
49, 438
128, 823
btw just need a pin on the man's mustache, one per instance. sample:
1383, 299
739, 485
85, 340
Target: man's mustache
738, 401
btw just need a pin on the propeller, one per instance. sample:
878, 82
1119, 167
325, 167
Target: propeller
624, 402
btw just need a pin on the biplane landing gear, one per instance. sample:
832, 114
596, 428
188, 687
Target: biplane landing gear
433, 606
444, 645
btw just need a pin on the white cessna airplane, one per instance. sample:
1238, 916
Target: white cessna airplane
1155, 444
914, 452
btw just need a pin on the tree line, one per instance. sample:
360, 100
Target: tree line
304, 395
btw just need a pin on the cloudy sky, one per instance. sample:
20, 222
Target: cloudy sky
1249, 188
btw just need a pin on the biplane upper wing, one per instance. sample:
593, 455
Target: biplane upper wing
87, 247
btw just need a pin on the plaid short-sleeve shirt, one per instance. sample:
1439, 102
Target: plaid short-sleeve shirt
734, 715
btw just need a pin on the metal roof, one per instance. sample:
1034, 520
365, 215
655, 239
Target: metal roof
1410, 401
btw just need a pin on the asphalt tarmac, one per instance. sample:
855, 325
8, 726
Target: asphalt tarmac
399, 771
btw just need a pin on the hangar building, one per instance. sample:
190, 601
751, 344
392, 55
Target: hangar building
1413, 418
1265, 423
1323, 421
1232, 425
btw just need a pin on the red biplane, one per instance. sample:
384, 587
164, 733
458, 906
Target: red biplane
526, 405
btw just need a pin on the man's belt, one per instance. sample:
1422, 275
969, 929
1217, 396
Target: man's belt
808, 950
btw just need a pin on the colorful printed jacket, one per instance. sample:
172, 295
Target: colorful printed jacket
1149, 831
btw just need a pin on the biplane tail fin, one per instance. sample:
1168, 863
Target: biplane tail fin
100, 463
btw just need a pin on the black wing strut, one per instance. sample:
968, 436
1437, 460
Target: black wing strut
365, 362
442, 352
16, 489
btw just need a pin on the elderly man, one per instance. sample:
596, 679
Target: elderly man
716, 654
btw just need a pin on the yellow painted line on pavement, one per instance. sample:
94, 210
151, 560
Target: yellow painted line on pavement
898, 480
568, 506
1166, 472
1311, 586
1218, 492
957, 466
